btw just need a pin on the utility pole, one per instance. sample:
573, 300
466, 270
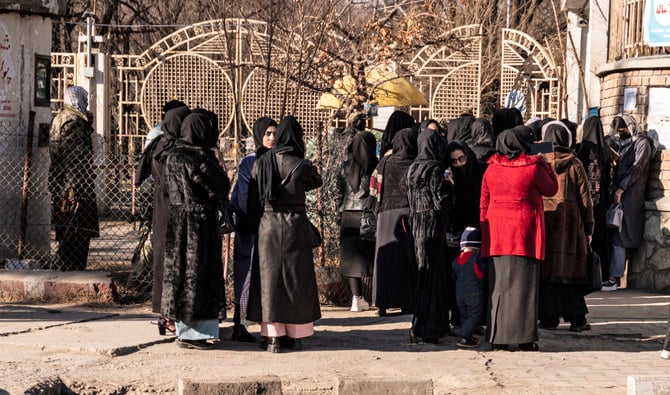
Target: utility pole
93, 75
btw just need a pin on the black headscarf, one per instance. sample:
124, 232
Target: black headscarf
424, 125
172, 104
161, 146
572, 127
363, 159
196, 130
432, 151
513, 142
592, 132
397, 121
469, 154
460, 128
171, 131
260, 126
505, 118
558, 136
288, 141
405, 144
482, 137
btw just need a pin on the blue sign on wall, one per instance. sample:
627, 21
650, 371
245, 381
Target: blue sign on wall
657, 23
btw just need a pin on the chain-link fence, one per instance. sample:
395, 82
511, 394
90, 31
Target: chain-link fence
60, 196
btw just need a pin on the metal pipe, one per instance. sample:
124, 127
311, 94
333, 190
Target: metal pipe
509, 6
89, 37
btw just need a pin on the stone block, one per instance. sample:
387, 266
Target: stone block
665, 155
648, 385
652, 228
267, 385
384, 386
661, 259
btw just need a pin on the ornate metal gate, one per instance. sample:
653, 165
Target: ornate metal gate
450, 77
528, 68
218, 65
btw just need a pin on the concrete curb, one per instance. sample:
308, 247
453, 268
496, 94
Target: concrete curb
648, 385
273, 385
56, 286
267, 385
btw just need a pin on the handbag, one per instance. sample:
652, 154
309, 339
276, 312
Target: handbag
224, 219
368, 228
614, 216
314, 236
593, 271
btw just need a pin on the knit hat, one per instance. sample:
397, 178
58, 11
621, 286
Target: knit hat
471, 237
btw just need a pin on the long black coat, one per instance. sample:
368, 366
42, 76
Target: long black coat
286, 281
631, 174
193, 284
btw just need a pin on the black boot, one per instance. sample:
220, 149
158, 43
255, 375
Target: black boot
273, 345
240, 333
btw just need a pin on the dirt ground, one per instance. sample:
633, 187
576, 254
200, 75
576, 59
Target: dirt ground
109, 350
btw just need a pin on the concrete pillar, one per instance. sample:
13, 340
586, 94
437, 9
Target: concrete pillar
25, 40
589, 33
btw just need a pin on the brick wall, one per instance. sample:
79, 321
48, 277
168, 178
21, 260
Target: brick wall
611, 92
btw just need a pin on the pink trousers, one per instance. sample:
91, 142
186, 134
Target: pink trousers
277, 329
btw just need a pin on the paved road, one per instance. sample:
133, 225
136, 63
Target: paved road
105, 349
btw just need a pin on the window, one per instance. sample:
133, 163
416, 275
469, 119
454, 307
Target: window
42, 80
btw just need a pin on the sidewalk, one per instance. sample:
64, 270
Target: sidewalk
104, 350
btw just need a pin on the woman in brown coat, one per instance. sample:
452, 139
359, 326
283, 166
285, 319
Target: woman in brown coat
569, 222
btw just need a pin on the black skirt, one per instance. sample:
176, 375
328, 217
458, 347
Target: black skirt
356, 255
395, 271
514, 286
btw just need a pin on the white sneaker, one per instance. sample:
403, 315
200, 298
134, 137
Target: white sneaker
665, 354
358, 303
609, 286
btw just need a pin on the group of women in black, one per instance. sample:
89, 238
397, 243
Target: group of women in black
414, 205
275, 283
423, 189
420, 188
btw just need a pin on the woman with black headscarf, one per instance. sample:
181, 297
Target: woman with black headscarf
397, 121
505, 118
287, 282
394, 275
596, 156
353, 189
429, 196
156, 154
245, 235
482, 139
569, 215
512, 220
193, 285
466, 174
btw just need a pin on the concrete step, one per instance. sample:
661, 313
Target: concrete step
56, 286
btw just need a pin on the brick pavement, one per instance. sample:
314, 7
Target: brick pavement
106, 349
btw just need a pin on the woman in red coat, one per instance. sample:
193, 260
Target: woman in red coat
513, 236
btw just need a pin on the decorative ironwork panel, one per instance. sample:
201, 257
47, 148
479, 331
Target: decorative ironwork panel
450, 76
194, 79
62, 75
527, 67
262, 91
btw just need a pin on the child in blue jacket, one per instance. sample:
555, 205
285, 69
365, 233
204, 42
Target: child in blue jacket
470, 277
